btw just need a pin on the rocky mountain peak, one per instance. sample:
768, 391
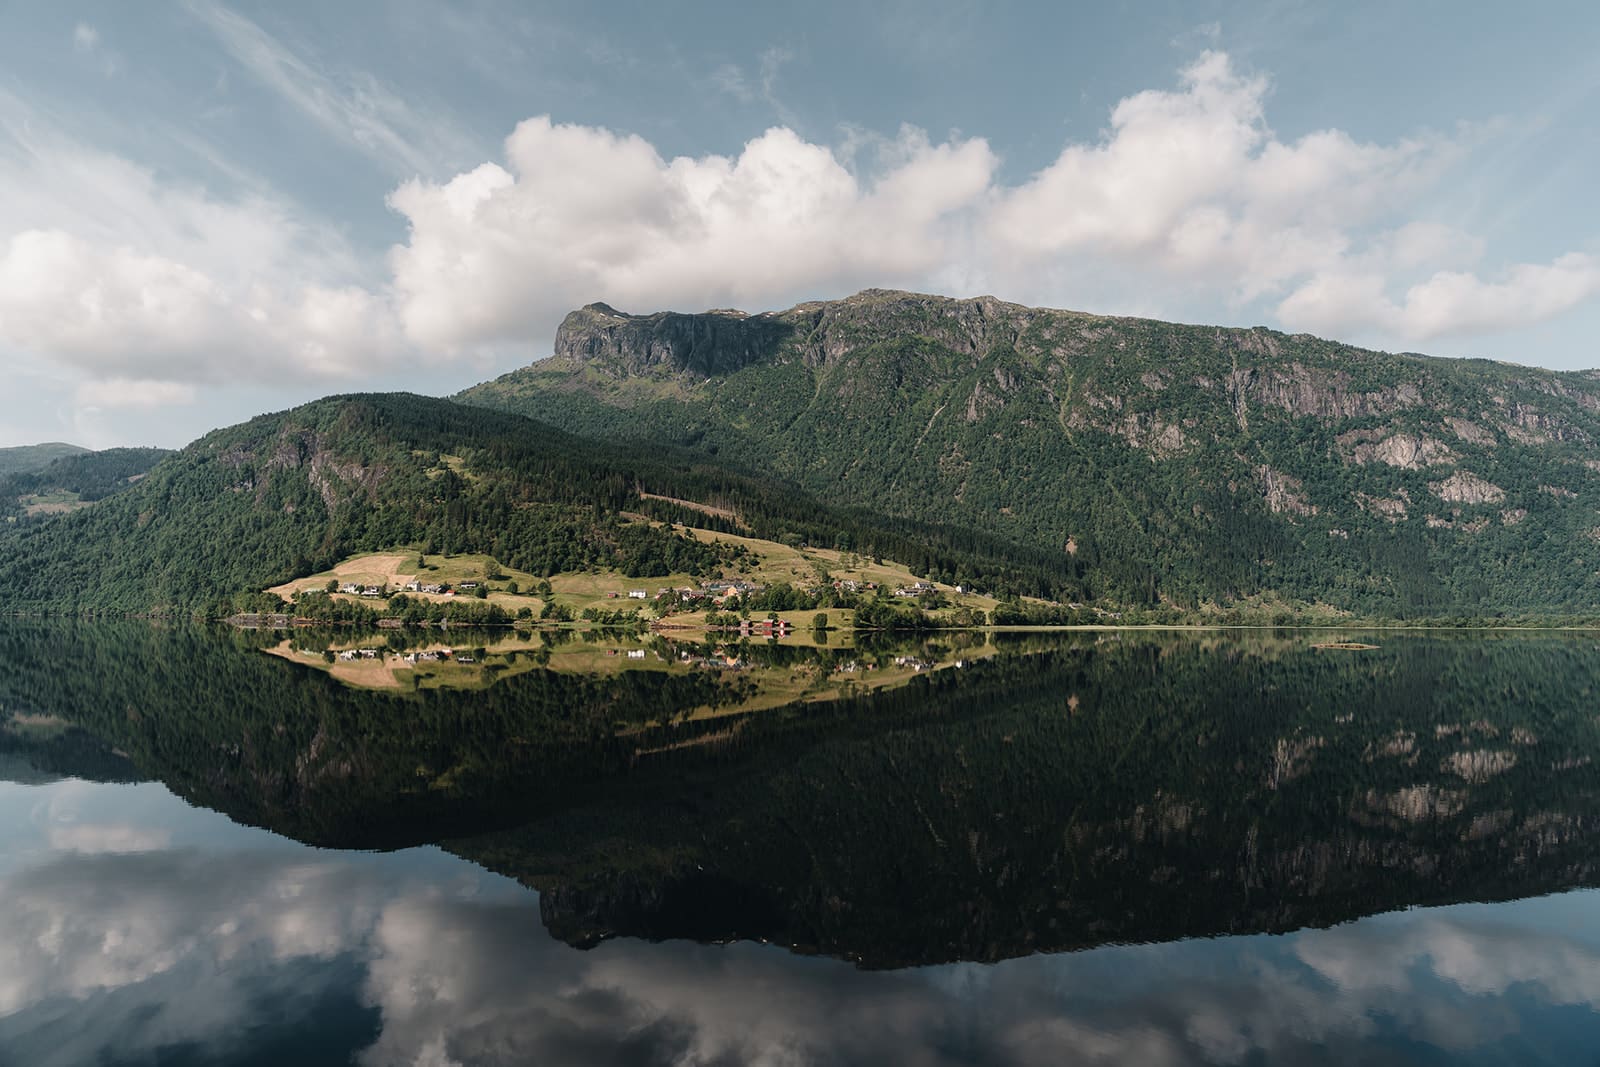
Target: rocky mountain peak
667, 342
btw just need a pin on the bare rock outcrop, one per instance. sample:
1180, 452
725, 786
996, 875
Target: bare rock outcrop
1470, 432
1406, 451
1464, 487
1323, 394
715, 342
1283, 493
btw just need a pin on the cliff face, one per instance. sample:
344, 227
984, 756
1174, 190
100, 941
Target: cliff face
717, 342
1273, 458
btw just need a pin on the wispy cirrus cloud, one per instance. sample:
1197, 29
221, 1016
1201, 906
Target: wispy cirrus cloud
351, 105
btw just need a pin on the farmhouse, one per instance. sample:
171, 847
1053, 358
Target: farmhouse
914, 589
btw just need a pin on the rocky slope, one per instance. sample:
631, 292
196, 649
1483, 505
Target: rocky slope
1185, 462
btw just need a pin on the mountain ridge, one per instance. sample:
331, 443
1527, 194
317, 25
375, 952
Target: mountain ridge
1184, 463
1031, 452
27, 459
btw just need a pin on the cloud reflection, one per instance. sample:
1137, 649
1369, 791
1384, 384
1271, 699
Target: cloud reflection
130, 952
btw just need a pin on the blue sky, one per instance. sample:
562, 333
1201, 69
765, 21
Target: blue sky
212, 210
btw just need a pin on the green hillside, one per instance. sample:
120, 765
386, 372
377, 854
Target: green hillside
291, 494
74, 481
23, 459
1167, 462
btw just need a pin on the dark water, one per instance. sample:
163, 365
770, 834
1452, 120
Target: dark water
1133, 849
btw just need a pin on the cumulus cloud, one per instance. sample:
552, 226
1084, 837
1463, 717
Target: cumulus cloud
1188, 186
579, 214
1449, 303
1193, 183
127, 316
147, 288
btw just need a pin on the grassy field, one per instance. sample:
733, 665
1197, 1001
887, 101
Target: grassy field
395, 569
769, 563
58, 503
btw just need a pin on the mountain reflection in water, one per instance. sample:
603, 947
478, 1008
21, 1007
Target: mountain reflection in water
1053, 793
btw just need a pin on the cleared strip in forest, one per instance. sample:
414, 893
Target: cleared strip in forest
704, 509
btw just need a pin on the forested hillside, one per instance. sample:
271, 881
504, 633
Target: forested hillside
26, 458
74, 481
1167, 462
290, 494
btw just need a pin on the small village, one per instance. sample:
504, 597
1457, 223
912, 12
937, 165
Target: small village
718, 592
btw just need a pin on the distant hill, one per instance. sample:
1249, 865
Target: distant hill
75, 481
290, 494
1167, 462
24, 459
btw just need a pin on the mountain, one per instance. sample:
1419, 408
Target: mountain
1166, 461
24, 459
75, 481
290, 494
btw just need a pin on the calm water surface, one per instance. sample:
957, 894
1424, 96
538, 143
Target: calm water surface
222, 847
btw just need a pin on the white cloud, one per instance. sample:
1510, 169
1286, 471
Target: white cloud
1449, 303
1193, 183
85, 38
145, 288
1187, 187
578, 214
126, 316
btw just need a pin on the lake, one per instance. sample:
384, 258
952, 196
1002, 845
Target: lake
1121, 847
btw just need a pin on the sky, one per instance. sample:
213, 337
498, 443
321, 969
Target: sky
212, 210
